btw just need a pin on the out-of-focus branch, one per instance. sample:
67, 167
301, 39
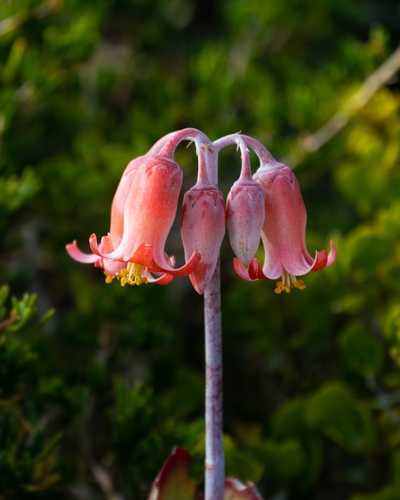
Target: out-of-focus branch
9, 321
104, 480
374, 82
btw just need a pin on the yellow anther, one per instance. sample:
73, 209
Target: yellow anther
299, 284
134, 274
109, 278
288, 281
281, 287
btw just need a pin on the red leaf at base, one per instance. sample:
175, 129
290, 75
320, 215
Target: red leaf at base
173, 482
235, 490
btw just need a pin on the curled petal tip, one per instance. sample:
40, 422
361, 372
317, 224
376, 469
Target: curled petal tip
188, 268
256, 271
323, 259
332, 254
78, 255
252, 273
164, 279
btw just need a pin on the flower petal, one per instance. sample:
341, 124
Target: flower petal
241, 270
164, 279
78, 255
111, 268
322, 259
253, 273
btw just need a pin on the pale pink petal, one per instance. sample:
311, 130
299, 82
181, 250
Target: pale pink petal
111, 268
272, 266
78, 255
241, 270
164, 279
332, 254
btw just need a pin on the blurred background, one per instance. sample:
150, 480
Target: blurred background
99, 382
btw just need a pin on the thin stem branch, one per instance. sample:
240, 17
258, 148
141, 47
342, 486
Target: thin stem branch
186, 134
339, 120
214, 464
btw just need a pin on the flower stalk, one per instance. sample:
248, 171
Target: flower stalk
214, 462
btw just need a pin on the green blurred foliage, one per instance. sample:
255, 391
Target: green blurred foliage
92, 401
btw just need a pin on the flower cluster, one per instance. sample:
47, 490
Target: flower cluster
267, 205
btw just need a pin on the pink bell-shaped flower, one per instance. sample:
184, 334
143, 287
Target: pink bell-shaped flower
202, 230
283, 232
142, 214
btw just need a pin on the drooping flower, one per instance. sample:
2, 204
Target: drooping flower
202, 230
283, 232
143, 211
245, 212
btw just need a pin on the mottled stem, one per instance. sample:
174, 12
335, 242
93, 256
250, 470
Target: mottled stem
214, 465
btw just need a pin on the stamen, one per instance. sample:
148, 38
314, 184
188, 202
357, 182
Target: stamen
134, 274
289, 281
299, 284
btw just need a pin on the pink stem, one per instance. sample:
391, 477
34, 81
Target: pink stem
186, 134
215, 468
261, 151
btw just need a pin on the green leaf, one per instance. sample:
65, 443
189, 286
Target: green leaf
283, 460
240, 461
368, 249
391, 324
335, 411
364, 354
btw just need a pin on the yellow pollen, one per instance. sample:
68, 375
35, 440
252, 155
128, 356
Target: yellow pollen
132, 275
288, 281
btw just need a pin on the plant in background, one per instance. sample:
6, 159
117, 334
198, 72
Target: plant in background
268, 205
28, 458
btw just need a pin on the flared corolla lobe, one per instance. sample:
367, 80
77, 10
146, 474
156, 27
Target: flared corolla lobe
202, 230
283, 232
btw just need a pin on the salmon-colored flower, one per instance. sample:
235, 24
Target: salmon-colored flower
283, 232
142, 214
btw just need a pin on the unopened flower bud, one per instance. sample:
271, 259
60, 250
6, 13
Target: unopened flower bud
245, 212
202, 230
